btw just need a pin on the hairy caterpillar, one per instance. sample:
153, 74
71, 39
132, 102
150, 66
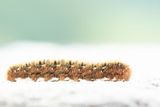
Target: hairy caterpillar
47, 69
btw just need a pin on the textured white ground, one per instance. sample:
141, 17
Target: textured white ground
143, 89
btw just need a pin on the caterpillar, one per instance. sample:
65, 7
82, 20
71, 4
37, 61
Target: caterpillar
48, 69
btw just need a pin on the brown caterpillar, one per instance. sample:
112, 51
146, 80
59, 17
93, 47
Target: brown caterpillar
46, 69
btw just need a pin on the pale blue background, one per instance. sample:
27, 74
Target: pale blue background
80, 21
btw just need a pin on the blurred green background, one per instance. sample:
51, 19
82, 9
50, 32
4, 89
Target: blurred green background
80, 21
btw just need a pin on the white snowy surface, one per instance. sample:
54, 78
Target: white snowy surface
143, 89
